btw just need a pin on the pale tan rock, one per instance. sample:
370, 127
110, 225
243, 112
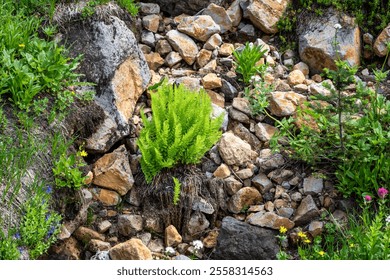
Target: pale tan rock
154, 60
163, 47
244, 173
213, 42
235, 13
242, 104
173, 58
104, 226
303, 67
216, 98
151, 22
210, 241
265, 14
220, 17
96, 245
245, 197
270, 220
211, 81
284, 104
222, 171
184, 45
172, 237
265, 131
226, 49
107, 197
190, 83
199, 27
132, 249
235, 151
316, 228
85, 234
88, 178
295, 77
203, 57
209, 67
380, 48
112, 171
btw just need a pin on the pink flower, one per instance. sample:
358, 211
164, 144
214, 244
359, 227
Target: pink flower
382, 192
367, 198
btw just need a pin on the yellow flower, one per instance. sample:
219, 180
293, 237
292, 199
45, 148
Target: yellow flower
83, 153
282, 230
302, 235
321, 253
307, 241
22, 45
351, 245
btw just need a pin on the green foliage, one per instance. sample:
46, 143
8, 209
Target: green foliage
8, 248
66, 168
180, 131
247, 59
176, 190
129, 6
365, 237
257, 94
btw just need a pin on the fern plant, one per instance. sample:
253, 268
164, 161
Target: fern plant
181, 130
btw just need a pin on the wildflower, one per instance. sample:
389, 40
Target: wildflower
51, 231
351, 245
367, 198
17, 235
83, 153
382, 192
302, 235
337, 26
22, 45
307, 241
47, 217
197, 244
388, 220
321, 253
49, 189
169, 251
282, 230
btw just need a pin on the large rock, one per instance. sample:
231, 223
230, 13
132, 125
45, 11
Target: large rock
306, 212
316, 41
114, 62
245, 197
283, 104
235, 151
112, 171
265, 14
184, 45
270, 220
129, 225
199, 27
241, 241
380, 48
174, 7
220, 17
132, 249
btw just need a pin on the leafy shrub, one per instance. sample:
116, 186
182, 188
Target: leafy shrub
180, 131
8, 247
247, 59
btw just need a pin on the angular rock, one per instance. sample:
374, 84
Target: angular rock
210, 241
213, 42
283, 104
295, 77
226, 49
270, 220
306, 211
112, 171
222, 171
211, 81
203, 57
151, 22
149, 8
244, 173
265, 131
163, 47
235, 13
303, 67
316, 228
217, 111
232, 185
104, 226
220, 17
107, 197
154, 60
268, 161
316, 37
380, 48
313, 185
235, 151
172, 237
241, 131
241, 241
156, 245
199, 27
184, 45
96, 245
265, 14
203, 206
197, 223
148, 38
216, 98
129, 225
242, 104
69, 249
286, 212
132, 249
173, 58
280, 176
245, 197
190, 83
85, 234
238, 116
262, 183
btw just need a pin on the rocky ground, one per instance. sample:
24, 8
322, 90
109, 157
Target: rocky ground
253, 192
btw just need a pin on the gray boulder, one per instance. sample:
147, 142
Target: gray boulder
241, 241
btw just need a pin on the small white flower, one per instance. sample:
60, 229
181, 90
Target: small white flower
170, 251
197, 244
337, 26
388, 220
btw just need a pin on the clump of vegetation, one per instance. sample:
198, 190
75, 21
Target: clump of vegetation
247, 61
181, 130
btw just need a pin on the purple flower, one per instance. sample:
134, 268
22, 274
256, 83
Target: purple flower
47, 217
367, 198
17, 235
49, 189
382, 192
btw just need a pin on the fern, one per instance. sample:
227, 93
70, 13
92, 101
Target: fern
176, 190
181, 130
